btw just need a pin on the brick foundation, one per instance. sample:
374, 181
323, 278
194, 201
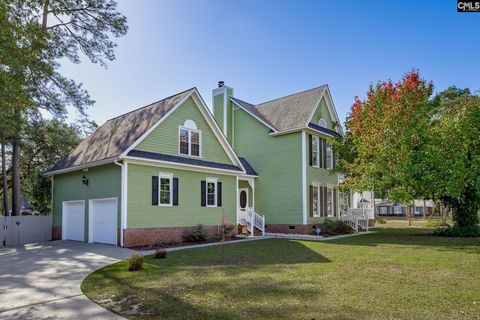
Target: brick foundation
285, 228
56, 232
154, 236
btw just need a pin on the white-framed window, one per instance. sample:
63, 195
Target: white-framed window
211, 192
315, 152
383, 210
189, 139
322, 123
330, 202
344, 201
329, 156
397, 210
316, 200
165, 189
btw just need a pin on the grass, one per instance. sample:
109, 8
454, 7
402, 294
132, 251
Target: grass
397, 273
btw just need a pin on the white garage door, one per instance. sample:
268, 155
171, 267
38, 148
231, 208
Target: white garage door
103, 214
73, 220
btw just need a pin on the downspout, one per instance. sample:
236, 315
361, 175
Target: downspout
122, 192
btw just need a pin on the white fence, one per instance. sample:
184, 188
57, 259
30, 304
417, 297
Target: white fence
25, 229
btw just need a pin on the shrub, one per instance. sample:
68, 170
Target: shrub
433, 224
135, 262
380, 220
456, 231
334, 226
196, 234
160, 254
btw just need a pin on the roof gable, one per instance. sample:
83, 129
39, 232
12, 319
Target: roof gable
164, 138
116, 135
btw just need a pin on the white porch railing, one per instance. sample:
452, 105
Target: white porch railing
252, 220
355, 218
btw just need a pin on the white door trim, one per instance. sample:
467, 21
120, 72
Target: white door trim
90, 217
64, 221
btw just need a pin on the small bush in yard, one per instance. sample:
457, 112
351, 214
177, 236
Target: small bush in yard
160, 254
335, 226
135, 262
380, 220
196, 234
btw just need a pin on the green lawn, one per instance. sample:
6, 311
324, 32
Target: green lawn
397, 273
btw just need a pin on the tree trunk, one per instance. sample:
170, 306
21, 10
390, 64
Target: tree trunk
16, 196
4, 176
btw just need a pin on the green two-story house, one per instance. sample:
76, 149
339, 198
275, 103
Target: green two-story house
147, 176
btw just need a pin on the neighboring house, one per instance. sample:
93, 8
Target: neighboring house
382, 207
147, 176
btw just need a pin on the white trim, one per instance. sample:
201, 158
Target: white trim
180, 127
333, 109
215, 192
82, 166
322, 123
169, 176
90, 217
123, 195
236, 199
64, 221
304, 176
247, 111
150, 130
181, 166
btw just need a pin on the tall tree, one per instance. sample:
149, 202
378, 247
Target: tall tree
42, 32
384, 135
452, 159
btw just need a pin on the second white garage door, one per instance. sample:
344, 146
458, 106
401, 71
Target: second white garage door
103, 217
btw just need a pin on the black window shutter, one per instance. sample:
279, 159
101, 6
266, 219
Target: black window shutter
311, 201
310, 149
219, 194
203, 193
325, 201
154, 190
175, 192
334, 159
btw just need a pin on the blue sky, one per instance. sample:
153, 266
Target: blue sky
268, 49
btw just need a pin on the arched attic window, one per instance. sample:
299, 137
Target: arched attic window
322, 123
189, 139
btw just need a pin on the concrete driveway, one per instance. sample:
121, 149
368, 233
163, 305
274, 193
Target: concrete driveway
42, 281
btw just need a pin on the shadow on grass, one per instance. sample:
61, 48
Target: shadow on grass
413, 237
225, 299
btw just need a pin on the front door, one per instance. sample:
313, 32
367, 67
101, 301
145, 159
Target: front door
243, 199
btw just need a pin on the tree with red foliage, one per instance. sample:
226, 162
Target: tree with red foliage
385, 133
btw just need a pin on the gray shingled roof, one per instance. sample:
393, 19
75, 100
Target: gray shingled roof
117, 134
290, 112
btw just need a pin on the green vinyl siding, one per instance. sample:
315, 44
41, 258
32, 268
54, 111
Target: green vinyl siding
164, 139
321, 176
218, 109
322, 112
189, 212
229, 116
103, 182
277, 160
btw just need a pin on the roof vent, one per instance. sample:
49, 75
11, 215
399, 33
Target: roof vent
221, 84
